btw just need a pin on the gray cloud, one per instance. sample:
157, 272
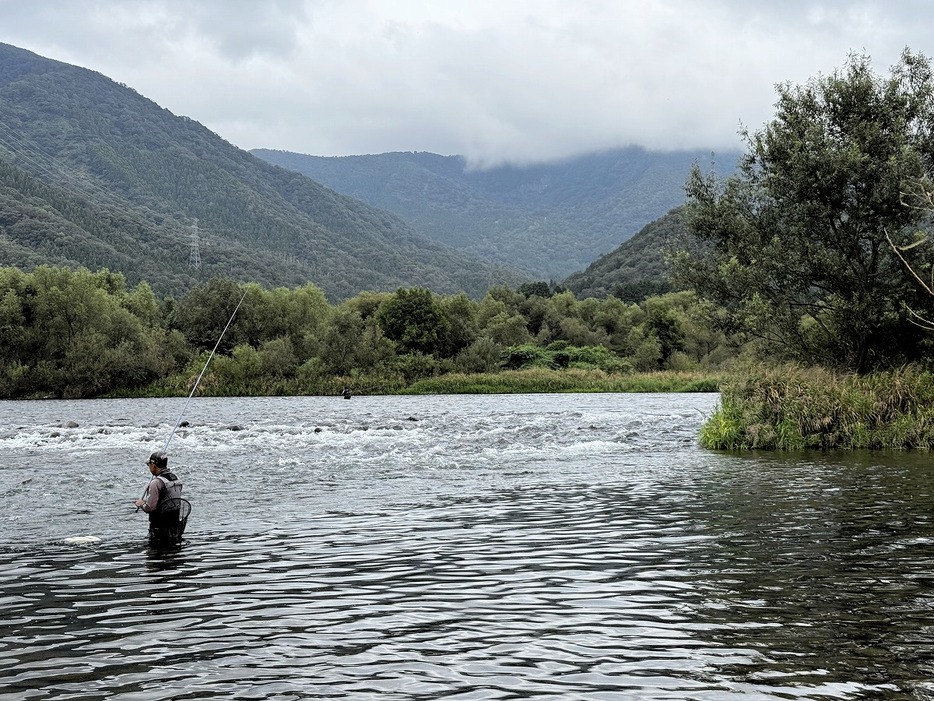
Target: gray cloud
520, 80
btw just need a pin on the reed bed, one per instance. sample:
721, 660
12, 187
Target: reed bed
543, 380
791, 408
526, 381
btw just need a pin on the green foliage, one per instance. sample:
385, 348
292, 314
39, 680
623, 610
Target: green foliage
461, 315
667, 330
342, 342
724, 430
203, 314
794, 247
597, 357
277, 358
793, 408
483, 355
528, 355
635, 270
538, 289
416, 366
416, 322
538, 380
68, 334
77, 333
560, 355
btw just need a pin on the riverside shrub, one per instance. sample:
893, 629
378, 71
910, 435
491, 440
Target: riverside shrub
793, 408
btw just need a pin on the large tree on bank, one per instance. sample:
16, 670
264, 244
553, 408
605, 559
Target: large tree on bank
794, 246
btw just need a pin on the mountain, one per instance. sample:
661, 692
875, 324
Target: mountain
635, 269
93, 174
549, 219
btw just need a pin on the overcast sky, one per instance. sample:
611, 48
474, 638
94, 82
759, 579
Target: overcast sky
493, 80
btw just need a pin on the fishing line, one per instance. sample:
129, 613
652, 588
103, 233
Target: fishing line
203, 370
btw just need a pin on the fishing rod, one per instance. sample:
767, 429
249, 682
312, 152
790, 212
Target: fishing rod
198, 381
203, 370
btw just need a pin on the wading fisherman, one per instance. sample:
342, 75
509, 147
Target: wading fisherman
162, 501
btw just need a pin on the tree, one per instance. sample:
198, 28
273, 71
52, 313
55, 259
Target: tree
616, 318
68, 333
341, 341
538, 289
351, 343
667, 329
794, 245
142, 303
679, 323
307, 312
918, 255
204, 313
501, 323
461, 314
415, 321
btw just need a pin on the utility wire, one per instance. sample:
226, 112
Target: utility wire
48, 167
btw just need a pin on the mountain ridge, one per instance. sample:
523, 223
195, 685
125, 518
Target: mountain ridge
549, 219
636, 268
95, 174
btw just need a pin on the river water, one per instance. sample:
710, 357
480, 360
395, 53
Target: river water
577, 546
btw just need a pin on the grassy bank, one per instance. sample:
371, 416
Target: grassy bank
530, 381
795, 409
539, 380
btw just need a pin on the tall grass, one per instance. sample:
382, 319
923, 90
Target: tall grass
792, 408
526, 381
539, 380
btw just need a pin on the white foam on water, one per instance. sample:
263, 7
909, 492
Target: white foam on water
81, 540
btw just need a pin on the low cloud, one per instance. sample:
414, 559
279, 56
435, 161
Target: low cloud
519, 81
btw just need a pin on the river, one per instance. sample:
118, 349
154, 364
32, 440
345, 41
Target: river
564, 546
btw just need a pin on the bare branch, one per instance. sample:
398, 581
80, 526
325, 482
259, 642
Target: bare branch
922, 199
898, 252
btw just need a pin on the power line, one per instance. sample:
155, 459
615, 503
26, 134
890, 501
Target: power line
39, 163
36, 161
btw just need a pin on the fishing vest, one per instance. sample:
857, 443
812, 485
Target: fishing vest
167, 521
171, 489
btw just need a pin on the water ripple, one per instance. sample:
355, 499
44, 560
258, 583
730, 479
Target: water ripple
568, 570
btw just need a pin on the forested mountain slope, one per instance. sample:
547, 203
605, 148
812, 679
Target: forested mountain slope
96, 175
636, 269
550, 219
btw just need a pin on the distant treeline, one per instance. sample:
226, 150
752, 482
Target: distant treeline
77, 333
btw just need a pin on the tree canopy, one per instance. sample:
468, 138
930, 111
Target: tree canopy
794, 245
67, 333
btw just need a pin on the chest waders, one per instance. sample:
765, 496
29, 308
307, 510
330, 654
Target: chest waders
168, 520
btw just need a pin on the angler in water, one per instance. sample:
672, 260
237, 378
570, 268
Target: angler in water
162, 500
